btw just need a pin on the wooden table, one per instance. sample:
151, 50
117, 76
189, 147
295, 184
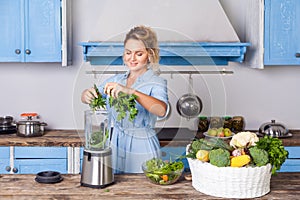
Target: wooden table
74, 138
133, 186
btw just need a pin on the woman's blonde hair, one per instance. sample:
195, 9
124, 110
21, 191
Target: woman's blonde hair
149, 39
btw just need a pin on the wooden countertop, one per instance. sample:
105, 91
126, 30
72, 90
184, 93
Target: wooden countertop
131, 186
74, 138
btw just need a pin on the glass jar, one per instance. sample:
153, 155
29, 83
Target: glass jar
203, 124
227, 122
238, 124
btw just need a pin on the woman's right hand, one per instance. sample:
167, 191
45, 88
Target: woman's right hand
88, 95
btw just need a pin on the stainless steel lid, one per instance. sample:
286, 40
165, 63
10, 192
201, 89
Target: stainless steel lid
274, 129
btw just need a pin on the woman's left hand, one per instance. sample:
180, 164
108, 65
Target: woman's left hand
113, 89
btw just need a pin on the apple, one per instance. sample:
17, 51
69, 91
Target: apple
212, 132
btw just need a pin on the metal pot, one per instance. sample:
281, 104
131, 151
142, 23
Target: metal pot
274, 129
29, 127
189, 105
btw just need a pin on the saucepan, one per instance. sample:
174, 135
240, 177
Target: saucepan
189, 105
30, 127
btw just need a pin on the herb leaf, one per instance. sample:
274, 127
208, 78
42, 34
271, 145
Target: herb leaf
99, 102
124, 103
275, 149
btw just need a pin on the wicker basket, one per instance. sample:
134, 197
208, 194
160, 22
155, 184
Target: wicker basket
230, 182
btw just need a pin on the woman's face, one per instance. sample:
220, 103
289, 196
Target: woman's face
135, 55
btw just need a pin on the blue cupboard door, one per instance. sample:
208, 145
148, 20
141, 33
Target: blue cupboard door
4, 160
43, 31
11, 26
31, 160
33, 166
282, 38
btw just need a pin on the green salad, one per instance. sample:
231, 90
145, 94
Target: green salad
161, 172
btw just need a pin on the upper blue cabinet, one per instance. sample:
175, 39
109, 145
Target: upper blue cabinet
282, 32
30, 31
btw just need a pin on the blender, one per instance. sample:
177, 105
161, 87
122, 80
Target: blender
97, 171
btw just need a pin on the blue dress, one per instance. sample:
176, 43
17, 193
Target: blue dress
135, 142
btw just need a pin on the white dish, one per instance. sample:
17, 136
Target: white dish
224, 138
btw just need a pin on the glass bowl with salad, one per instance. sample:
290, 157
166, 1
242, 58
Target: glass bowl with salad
162, 172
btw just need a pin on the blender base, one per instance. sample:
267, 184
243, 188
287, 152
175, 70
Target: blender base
97, 171
97, 186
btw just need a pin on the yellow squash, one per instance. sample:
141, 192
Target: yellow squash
240, 161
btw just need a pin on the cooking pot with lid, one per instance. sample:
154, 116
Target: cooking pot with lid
274, 129
30, 127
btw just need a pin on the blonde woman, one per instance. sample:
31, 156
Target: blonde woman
135, 142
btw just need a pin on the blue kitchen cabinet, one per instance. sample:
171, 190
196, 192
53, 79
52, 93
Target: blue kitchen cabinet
30, 31
4, 160
281, 32
31, 160
292, 163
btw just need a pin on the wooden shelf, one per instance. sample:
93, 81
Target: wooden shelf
171, 53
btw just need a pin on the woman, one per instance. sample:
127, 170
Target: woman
135, 142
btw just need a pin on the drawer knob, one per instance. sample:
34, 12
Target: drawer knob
8, 168
15, 170
17, 51
27, 51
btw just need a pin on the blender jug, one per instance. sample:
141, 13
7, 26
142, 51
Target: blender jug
97, 130
97, 169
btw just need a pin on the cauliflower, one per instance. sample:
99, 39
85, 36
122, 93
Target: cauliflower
243, 140
219, 157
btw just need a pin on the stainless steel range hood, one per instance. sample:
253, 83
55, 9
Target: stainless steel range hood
214, 40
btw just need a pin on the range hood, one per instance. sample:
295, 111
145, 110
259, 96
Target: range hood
216, 42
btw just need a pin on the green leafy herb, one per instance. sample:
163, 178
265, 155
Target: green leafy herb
123, 104
277, 153
98, 139
99, 102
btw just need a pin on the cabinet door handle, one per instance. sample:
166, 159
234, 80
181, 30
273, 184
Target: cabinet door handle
15, 170
297, 55
27, 51
17, 51
8, 168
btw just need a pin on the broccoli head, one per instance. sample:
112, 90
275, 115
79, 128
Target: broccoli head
260, 156
219, 157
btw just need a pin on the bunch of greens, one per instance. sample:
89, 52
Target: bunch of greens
275, 149
124, 103
99, 102
163, 172
98, 139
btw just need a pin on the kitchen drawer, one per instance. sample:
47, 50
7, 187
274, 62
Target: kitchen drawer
4, 162
33, 166
290, 165
4, 152
41, 152
294, 151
